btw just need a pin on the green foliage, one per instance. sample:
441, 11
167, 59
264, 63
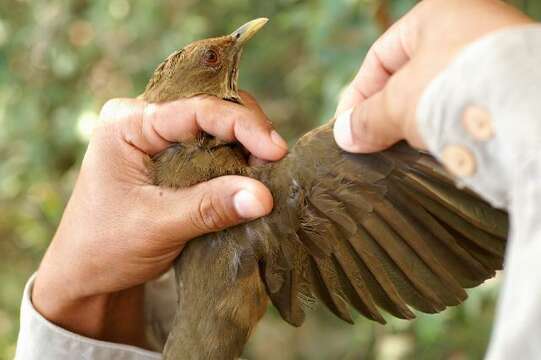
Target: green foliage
60, 60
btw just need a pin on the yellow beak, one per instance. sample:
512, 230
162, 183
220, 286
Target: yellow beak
248, 30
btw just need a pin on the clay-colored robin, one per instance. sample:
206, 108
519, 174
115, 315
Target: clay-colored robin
385, 231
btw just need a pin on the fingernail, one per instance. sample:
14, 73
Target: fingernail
278, 140
247, 205
342, 129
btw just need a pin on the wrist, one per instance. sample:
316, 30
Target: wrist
468, 93
114, 317
55, 300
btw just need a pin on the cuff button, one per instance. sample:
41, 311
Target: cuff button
459, 160
478, 123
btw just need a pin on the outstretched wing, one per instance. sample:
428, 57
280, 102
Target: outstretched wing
382, 231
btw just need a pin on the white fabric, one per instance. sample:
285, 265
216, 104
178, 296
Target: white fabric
40, 339
502, 74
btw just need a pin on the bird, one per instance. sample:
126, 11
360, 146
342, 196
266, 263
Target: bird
387, 232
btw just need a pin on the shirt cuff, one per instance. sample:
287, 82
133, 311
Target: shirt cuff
41, 339
480, 116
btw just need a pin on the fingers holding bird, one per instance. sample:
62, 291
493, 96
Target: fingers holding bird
211, 206
149, 225
151, 128
133, 124
402, 63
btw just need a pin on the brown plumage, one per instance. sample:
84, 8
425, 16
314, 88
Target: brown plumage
386, 231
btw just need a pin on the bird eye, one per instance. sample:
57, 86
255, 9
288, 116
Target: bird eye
211, 57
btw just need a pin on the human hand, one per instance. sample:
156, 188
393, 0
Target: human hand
119, 231
379, 107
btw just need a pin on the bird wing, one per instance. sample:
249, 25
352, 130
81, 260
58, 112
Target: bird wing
381, 231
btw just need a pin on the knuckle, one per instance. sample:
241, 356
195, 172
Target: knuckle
150, 113
248, 98
205, 102
408, 34
103, 130
203, 106
210, 214
100, 130
122, 110
363, 130
246, 94
110, 109
393, 102
410, 131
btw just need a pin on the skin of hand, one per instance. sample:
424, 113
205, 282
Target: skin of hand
119, 231
379, 107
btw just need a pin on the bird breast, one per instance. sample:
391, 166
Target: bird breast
186, 164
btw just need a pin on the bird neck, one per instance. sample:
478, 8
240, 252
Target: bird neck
193, 162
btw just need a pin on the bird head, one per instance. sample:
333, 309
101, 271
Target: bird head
207, 66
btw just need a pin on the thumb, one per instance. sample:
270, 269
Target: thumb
368, 127
217, 204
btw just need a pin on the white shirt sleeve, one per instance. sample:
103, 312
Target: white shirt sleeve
40, 339
500, 74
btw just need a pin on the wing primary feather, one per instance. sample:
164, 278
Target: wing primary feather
355, 289
450, 290
422, 297
489, 260
403, 256
420, 162
365, 270
472, 210
353, 282
382, 292
486, 241
327, 288
409, 231
396, 283
463, 265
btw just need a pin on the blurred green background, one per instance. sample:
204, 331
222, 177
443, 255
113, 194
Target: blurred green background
61, 60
